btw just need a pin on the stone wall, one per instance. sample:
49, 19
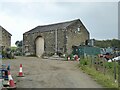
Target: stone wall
5, 38
66, 38
76, 35
61, 40
49, 41
0, 36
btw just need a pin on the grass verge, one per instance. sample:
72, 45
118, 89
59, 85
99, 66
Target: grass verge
104, 80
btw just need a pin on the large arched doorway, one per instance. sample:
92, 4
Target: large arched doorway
39, 42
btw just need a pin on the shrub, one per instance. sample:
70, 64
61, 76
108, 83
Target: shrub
7, 54
83, 62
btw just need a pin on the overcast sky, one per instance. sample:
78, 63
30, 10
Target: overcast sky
100, 18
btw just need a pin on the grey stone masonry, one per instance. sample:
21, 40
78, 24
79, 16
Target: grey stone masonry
5, 38
68, 34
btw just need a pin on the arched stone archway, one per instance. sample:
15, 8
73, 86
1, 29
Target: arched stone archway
39, 44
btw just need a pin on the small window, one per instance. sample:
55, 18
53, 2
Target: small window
78, 29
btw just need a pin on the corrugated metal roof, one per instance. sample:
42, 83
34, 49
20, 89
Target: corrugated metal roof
45, 28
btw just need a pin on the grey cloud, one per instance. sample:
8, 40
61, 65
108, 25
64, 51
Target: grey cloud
100, 18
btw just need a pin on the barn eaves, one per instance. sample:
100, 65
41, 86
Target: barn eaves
45, 28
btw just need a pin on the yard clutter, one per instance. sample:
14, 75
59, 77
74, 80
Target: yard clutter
7, 80
116, 59
4, 72
73, 58
76, 58
6, 77
68, 58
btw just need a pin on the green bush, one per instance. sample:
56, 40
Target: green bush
7, 54
83, 62
109, 65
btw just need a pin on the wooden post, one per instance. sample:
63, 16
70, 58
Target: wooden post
91, 61
96, 63
103, 66
119, 74
115, 70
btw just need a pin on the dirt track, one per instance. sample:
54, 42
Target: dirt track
44, 73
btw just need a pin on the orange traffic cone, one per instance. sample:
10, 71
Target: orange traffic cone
11, 82
20, 72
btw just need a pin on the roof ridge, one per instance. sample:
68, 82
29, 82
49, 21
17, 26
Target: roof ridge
58, 23
54, 25
5, 30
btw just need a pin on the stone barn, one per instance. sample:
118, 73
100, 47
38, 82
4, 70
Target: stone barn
5, 38
59, 37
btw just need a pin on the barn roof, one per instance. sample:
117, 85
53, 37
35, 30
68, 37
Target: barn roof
44, 28
6, 31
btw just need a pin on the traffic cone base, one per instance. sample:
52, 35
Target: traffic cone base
12, 84
10, 88
21, 76
11, 81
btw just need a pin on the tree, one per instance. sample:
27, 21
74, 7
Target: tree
16, 43
19, 43
108, 43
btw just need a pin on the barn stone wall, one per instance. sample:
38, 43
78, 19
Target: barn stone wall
5, 38
66, 38
0, 36
75, 37
49, 41
49, 38
29, 42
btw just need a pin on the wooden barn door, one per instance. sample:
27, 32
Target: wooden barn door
39, 46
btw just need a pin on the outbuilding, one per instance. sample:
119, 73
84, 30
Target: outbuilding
53, 38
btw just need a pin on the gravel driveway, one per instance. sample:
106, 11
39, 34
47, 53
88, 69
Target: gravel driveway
45, 73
